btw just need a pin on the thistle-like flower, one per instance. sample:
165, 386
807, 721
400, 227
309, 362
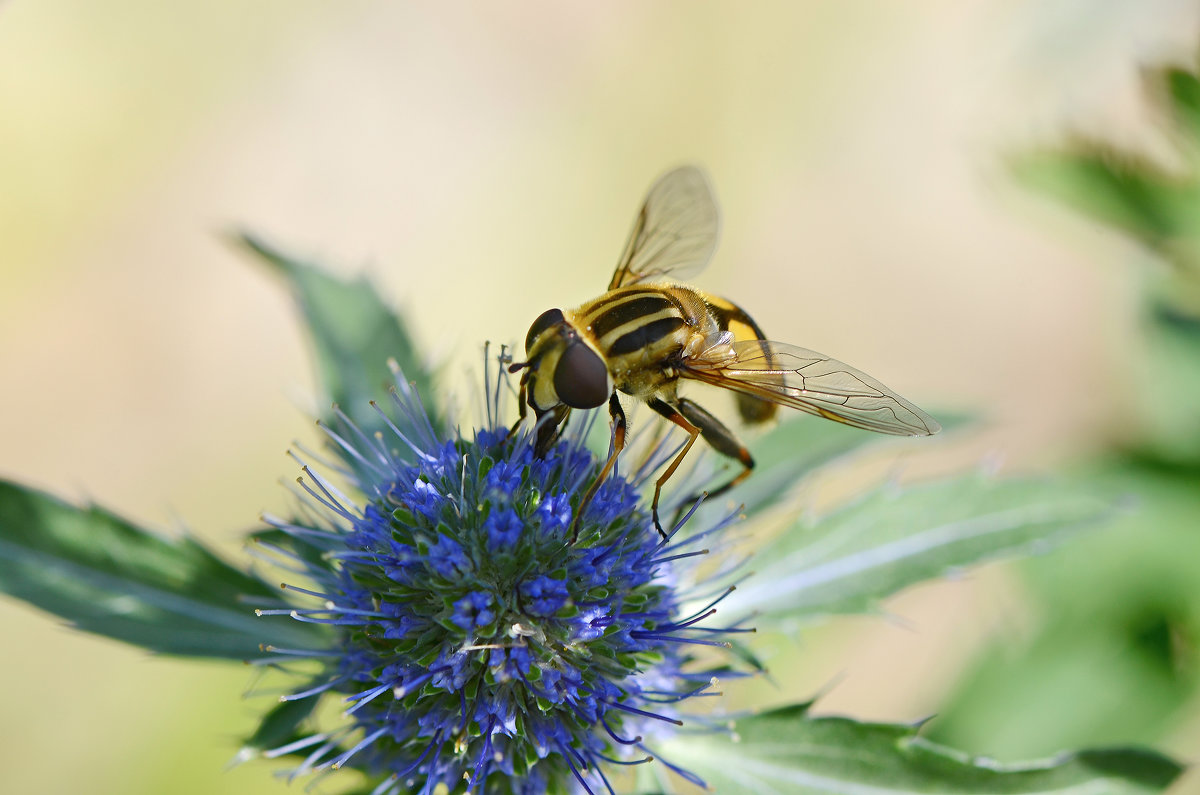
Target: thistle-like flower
475, 647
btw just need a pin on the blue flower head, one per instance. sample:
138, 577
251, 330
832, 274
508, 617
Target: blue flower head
475, 648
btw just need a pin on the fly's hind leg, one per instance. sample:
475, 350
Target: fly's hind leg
618, 444
676, 416
720, 439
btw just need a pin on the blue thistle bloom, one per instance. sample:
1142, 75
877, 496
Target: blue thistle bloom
476, 648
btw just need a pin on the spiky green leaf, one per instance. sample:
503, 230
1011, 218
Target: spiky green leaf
354, 334
796, 448
849, 560
105, 575
788, 752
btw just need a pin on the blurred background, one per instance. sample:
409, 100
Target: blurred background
482, 165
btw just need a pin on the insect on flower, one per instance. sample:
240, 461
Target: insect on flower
648, 332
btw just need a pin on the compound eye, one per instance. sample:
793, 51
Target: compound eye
549, 318
581, 379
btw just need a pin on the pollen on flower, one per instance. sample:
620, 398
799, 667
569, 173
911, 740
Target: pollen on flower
471, 641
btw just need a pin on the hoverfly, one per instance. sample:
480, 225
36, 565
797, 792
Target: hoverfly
648, 332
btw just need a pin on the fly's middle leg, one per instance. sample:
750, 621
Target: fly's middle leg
619, 426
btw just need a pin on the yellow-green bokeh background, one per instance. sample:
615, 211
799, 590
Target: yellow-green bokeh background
482, 162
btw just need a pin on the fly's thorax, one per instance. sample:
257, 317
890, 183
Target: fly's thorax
637, 323
640, 330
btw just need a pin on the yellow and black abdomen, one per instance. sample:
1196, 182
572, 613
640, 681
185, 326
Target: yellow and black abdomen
732, 318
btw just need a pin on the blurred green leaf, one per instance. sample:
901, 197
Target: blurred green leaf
849, 560
787, 751
1168, 377
1183, 100
789, 452
106, 576
1152, 203
1115, 651
796, 448
354, 334
1160, 207
1115, 188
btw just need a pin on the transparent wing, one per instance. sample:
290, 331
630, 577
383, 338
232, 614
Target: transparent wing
675, 232
806, 380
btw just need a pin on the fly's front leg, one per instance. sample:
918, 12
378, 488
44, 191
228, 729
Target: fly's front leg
720, 439
549, 431
675, 415
619, 426
522, 408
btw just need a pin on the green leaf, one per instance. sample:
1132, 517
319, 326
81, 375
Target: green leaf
105, 575
1113, 652
1114, 188
895, 537
354, 334
790, 753
1169, 376
789, 452
1155, 205
1183, 90
796, 448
